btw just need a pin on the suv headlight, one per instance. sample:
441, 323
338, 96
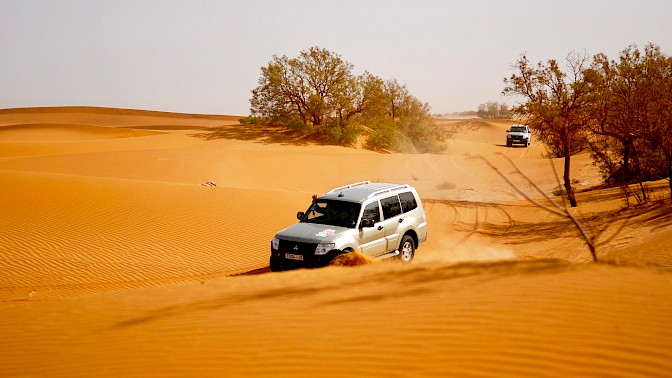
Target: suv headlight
275, 244
323, 248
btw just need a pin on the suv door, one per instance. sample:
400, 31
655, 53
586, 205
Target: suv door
391, 220
372, 239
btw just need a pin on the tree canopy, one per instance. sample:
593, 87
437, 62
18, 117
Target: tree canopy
631, 135
318, 92
556, 106
493, 110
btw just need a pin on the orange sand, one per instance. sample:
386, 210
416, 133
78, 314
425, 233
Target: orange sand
117, 261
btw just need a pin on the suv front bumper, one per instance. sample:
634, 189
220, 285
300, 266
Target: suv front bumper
280, 259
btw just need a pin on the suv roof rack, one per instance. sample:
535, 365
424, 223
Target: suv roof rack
389, 190
349, 186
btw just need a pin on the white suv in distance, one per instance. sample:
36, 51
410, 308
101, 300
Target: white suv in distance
518, 134
380, 220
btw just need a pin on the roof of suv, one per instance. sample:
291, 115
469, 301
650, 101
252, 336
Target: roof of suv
358, 192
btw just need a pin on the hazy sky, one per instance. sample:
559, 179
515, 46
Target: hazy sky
205, 56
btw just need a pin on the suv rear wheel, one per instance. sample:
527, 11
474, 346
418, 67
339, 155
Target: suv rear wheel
406, 249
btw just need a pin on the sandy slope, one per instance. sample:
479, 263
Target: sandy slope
536, 319
116, 260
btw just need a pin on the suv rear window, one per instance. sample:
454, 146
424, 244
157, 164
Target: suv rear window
391, 207
407, 202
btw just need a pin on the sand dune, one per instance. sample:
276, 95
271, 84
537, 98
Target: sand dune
87, 115
510, 319
64, 132
119, 233
116, 260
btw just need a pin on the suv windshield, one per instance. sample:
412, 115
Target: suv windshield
517, 129
334, 213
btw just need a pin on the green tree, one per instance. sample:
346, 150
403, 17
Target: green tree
308, 89
631, 127
366, 100
557, 106
317, 91
617, 137
407, 125
493, 110
657, 97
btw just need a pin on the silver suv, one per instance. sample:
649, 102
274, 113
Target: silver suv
380, 220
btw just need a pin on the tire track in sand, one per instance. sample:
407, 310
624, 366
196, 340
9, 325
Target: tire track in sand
457, 221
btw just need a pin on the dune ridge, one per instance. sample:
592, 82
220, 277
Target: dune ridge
66, 132
112, 111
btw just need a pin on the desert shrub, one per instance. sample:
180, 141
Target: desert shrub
400, 136
404, 144
298, 126
382, 137
423, 134
343, 135
558, 191
561, 191
429, 145
253, 120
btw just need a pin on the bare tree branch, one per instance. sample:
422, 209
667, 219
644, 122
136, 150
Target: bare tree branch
558, 210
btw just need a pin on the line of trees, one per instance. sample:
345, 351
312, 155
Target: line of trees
466, 113
494, 110
317, 92
620, 110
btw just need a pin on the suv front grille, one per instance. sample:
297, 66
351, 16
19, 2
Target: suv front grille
297, 248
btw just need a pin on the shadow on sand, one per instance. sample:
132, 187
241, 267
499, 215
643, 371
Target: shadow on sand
262, 134
266, 269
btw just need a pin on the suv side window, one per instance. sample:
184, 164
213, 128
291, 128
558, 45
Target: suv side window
372, 211
407, 202
391, 207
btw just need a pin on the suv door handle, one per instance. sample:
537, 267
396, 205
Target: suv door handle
380, 228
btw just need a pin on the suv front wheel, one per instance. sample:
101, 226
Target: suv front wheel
406, 249
275, 265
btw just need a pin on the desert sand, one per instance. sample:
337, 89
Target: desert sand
118, 260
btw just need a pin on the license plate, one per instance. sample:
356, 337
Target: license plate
291, 256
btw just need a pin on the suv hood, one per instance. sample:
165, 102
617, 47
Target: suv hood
311, 233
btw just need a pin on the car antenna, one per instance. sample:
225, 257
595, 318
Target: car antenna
340, 176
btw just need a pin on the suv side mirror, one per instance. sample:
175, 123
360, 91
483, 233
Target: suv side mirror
300, 215
367, 222
507, 131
